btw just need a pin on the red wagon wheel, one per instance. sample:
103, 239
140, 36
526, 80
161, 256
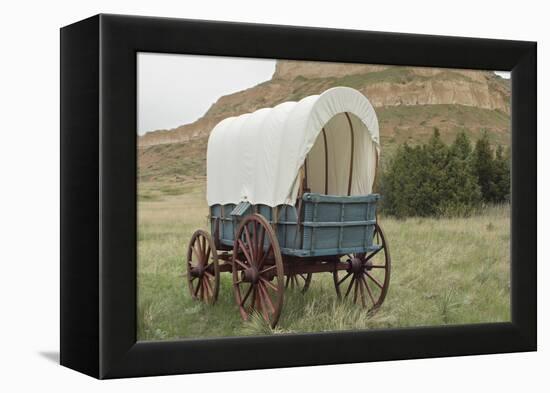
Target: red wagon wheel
367, 279
203, 271
298, 281
258, 270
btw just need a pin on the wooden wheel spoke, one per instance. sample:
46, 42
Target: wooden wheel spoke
243, 313
378, 266
375, 280
349, 287
376, 234
241, 264
269, 284
251, 248
243, 300
208, 287
265, 255
201, 292
343, 279
255, 299
267, 298
199, 284
368, 291
208, 250
255, 241
268, 269
245, 251
261, 244
362, 291
263, 308
208, 274
198, 254
373, 254
355, 291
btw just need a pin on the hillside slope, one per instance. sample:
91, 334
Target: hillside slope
410, 103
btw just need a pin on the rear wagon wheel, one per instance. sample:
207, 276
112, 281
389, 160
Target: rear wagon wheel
367, 279
298, 281
203, 271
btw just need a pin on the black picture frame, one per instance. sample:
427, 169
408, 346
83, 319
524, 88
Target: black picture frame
98, 195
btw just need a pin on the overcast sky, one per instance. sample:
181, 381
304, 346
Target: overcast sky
178, 89
503, 74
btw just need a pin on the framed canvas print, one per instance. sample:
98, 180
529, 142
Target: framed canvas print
238, 196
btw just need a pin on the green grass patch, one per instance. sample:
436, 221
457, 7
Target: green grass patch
444, 272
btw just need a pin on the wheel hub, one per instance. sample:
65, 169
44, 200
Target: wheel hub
355, 265
198, 271
251, 274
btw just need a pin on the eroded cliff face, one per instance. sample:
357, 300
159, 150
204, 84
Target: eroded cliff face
393, 85
290, 70
385, 86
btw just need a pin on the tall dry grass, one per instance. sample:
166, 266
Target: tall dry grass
444, 271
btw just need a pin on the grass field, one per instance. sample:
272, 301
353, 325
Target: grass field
444, 271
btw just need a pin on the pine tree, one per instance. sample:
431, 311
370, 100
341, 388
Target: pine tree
484, 168
461, 147
501, 175
463, 191
430, 180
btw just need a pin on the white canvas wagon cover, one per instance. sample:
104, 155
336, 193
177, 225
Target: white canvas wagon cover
258, 157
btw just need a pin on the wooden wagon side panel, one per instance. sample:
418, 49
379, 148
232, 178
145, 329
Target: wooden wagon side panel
334, 225
222, 225
287, 228
329, 225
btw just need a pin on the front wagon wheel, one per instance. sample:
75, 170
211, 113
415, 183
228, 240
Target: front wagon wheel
203, 271
367, 279
257, 265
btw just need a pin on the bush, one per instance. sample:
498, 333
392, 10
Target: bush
493, 172
434, 179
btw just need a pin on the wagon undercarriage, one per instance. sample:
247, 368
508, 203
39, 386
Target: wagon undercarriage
261, 273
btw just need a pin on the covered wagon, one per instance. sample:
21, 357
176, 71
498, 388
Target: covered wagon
290, 193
